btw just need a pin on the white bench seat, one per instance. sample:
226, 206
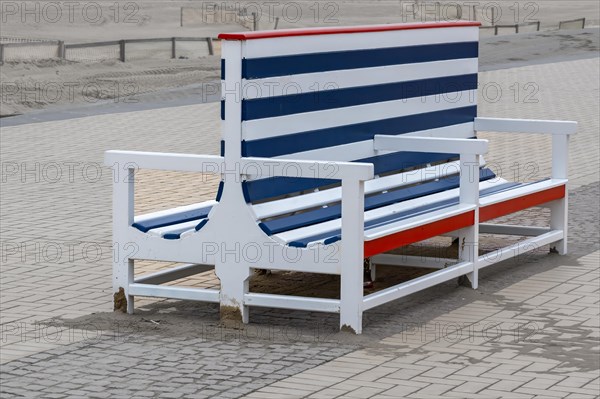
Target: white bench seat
291, 204
178, 230
182, 214
329, 231
375, 201
521, 197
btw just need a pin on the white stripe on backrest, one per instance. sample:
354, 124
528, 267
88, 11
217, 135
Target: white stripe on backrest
461, 131
364, 149
344, 152
273, 47
295, 123
323, 81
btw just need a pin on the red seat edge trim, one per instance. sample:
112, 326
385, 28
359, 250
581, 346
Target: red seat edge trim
419, 233
339, 30
520, 203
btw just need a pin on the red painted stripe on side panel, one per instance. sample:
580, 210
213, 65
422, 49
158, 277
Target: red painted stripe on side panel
417, 234
518, 204
338, 30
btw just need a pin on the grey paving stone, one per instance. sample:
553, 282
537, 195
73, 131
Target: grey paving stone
142, 363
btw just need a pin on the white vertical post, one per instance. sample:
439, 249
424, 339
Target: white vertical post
560, 156
559, 208
231, 268
123, 214
353, 219
231, 92
468, 245
373, 268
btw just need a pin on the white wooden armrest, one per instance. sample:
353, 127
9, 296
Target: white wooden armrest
269, 167
469, 150
525, 126
560, 131
164, 161
130, 161
430, 144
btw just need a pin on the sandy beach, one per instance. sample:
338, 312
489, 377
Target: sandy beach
113, 20
29, 87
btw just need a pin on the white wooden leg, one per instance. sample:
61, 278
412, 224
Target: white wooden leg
468, 245
373, 269
559, 208
559, 221
468, 251
130, 278
351, 293
234, 285
122, 277
123, 214
351, 296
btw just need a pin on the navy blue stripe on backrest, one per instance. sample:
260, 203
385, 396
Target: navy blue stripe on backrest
259, 190
258, 68
396, 161
259, 108
311, 140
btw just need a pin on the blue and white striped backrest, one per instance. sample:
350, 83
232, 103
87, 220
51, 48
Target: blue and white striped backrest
323, 93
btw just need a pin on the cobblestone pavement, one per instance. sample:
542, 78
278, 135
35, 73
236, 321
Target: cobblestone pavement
56, 250
536, 338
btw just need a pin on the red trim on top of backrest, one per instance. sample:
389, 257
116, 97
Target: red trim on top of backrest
343, 29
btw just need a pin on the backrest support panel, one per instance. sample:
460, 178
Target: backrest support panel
325, 95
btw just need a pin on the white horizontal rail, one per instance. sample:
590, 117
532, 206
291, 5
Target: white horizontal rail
413, 261
430, 144
292, 302
164, 161
332, 267
171, 274
515, 230
417, 284
269, 167
519, 248
525, 126
165, 291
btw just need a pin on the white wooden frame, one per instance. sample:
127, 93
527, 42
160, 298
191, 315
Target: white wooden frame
470, 150
561, 132
130, 243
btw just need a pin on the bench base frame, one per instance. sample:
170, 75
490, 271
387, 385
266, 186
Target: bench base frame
468, 264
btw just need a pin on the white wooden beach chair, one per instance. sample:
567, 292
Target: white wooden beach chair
340, 144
